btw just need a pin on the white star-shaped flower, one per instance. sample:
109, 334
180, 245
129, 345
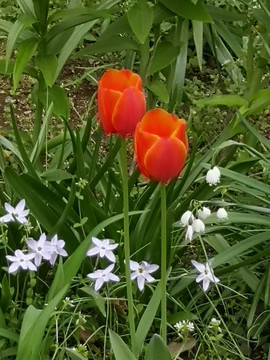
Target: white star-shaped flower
21, 260
57, 248
141, 272
206, 273
40, 248
18, 213
213, 176
103, 249
222, 214
103, 276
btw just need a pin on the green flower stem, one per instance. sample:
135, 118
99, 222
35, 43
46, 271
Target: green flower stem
123, 164
163, 262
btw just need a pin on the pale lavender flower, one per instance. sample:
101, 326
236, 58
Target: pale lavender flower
206, 273
141, 272
57, 248
21, 260
18, 213
40, 248
103, 276
103, 249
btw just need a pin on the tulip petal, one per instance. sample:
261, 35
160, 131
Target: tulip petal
180, 132
165, 159
107, 100
159, 122
128, 111
143, 141
119, 80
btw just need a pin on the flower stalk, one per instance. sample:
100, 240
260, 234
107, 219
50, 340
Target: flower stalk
163, 262
124, 170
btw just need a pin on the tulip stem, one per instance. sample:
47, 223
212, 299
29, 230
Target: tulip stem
123, 164
163, 278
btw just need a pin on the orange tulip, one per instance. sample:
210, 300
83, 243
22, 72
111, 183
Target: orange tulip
121, 102
161, 145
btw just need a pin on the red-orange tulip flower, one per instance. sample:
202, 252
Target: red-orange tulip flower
121, 102
161, 145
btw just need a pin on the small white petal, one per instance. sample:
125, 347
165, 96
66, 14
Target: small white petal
98, 284
199, 266
187, 218
133, 265
93, 251
222, 214
13, 267
198, 226
20, 206
189, 233
213, 176
140, 282
151, 268
206, 283
204, 213
149, 278
10, 209
110, 256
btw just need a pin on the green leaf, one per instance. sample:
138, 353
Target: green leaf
47, 65
120, 348
6, 297
8, 334
157, 350
147, 320
226, 100
159, 89
258, 102
75, 355
188, 10
25, 53
197, 27
56, 175
109, 44
32, 331
99, 300
22, 23
140, 17
27, 6
60, 101
164, 55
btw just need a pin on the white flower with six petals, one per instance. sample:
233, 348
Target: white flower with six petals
206, 273
18, 213
103, 276
141, 272
40, 248
103, 249
57, 248
21, 260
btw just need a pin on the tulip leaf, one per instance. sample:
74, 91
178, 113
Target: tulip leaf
226, 100
25, 52
120, 348
159, 89
47, 65
140, 17
60, 101
157, 349
164, 55
188, 10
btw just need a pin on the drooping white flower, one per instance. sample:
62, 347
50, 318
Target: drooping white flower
40, 248
192, 224
213, 176
21, 260
204, 213
141, 272
222, 214
198, 226
57, 248
102, 276
103, 249
206, 273
187, 218
184, 327
18, 213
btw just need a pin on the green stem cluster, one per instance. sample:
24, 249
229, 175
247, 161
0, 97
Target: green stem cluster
123, 163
